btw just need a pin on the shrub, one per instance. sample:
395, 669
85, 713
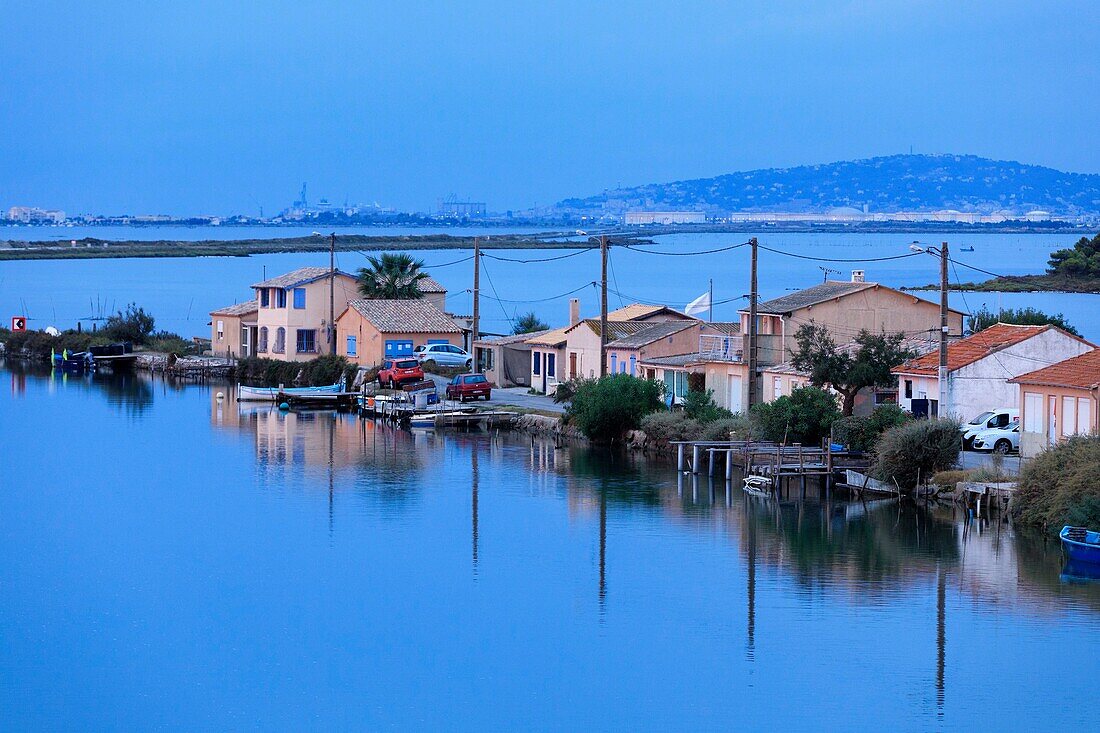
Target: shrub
806, 417
566, 390
916, 450
133, 324
665, 427
314, 373
1061, 486
171, 343
700, 405
735, 427
604, 409
862, 433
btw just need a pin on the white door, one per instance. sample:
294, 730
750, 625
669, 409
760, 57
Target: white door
1052, 421
735, 393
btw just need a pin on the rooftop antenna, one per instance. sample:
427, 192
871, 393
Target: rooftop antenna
827, 271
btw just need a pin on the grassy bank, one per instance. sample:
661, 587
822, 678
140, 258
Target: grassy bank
100, 248
1061, 486
1026, 284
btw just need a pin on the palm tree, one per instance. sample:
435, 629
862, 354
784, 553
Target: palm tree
392, 277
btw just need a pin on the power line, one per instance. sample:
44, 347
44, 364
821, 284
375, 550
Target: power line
494, 287
636, 248
538, 259
614, 279
538, 300
835, 259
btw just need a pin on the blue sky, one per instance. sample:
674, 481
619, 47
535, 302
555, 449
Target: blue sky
220, 107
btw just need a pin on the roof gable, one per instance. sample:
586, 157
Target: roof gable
651, 333
403, 316
1080, 372
301, 276
973, 348
821, 293
237, 309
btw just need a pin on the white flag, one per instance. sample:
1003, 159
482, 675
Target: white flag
699, 305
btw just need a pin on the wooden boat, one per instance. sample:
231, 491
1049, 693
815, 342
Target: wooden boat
757, 485
269, 394
1081, 544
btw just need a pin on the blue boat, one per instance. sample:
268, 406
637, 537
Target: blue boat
1082, 545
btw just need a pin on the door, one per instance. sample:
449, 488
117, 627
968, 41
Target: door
734, 393
246, 341
572, 365
398, 347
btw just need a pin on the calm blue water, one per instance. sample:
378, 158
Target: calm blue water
171, 561
181, 292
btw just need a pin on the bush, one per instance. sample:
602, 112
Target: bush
862, 433
565, 390
917, 450
735, 427
317, 372
604, 409
664, 427
806, 416
133, 324
700, 405
170, 343
1061, 486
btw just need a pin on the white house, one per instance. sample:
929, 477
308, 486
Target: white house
979, 367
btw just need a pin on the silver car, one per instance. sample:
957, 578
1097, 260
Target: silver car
447, 355
999, 440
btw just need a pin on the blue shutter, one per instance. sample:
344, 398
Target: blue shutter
299, 298
352, 346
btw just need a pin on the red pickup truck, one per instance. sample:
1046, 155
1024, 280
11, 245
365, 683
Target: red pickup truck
395, 372
468, 386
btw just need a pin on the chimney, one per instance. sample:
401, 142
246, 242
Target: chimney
574, 311
857, 276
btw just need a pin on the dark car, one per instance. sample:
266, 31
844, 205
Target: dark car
468, 386
395, 372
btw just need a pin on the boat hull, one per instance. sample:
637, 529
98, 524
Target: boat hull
270, 394
1087, 551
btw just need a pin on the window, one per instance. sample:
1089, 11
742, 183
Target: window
551, 367
280, 340
633, 364
536, 362
777, 387
352, 346
1069, 415
265, 298
221, 330
280, 298
1033, 412
299, 298
307, 341
262, 346
908, 389
1084, 421
484, 359
614, 359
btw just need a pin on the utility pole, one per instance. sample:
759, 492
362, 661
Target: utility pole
752, 326
331, 289
603, 305
475, 327
944, 408
710, 301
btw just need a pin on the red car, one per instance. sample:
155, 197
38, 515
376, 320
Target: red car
468, 386
395, 372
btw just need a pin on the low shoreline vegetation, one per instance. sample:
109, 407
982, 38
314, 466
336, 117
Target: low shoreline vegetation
911, 453
1061, 486
322, 371
133, 324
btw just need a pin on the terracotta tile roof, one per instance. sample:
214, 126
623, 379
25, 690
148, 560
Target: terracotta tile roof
301, 276
677, 360
726, 327
238, 309
637, 311
555, 337
404, 316
651, 333
972, 348
510, 338
1080, 372
431, 285
615, 329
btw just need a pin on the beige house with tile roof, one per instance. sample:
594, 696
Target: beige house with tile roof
233, 330
370, 331
292, 318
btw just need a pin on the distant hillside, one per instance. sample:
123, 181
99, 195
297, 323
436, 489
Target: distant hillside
886, 184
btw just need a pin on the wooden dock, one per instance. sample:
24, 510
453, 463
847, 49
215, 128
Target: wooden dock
438, 415
763, 458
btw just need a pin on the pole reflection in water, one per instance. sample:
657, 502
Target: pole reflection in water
603, 551
941, 637
474, 479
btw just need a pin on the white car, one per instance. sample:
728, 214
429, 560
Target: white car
1002, 417
999, 440
447, 355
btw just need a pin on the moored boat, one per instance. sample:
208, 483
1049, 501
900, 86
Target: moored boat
757, 485
270, 394
1081, 545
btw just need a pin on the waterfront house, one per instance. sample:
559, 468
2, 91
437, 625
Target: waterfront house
979, 367
719, 357
233, 330
292, 317
373, 330
506, 360
655, 339
1058, 401
844, 308
582, 339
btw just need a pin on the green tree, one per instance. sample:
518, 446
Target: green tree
392, 277
806, 416
605, 408
984, 318
866, 363
1081, 260
702, 407
133, 324
529, 323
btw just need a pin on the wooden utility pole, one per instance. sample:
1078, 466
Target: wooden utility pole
752, 326
332, 293
944, 408
475, 327
603, 306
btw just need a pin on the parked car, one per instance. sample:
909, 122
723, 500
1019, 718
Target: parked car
999, 418
395, 372
999, 440
469, 386
447, 355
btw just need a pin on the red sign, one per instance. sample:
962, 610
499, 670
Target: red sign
19, 323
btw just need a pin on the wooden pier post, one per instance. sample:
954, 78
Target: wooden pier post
694, 458
680, 457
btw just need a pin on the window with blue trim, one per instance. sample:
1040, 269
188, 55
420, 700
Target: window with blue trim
551, 365
299, 298
352, 345
280, 298
265, 297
